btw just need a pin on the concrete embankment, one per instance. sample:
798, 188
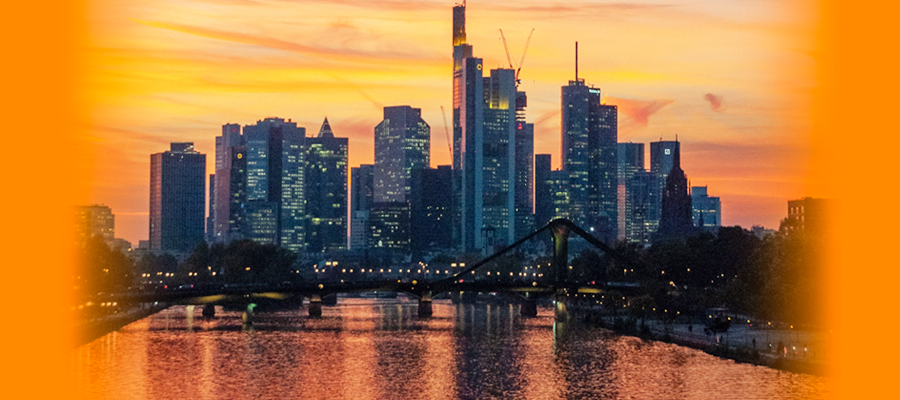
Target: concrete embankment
88, 331
741, 344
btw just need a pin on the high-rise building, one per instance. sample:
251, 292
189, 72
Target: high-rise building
361, 191
559, 194
229, 187
231, 194
543, 203
631, 161
211, 213
95, 221
589, 139
275, 160
675, 216
662, 158
643, 197
524, 170
429, 202
402, 145
493, 148
326, 191
177, 198
707, 211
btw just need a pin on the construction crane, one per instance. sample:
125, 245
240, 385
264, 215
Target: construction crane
447, 131
505, 47
521, 60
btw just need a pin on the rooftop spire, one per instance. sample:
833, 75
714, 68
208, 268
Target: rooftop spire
325, 130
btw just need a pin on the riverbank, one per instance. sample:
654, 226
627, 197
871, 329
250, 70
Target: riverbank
88, 331
783, 349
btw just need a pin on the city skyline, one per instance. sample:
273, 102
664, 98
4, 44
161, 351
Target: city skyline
161, 77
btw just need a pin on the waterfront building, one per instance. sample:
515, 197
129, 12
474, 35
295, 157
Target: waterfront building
177, 198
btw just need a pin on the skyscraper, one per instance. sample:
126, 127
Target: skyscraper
643, 197
361, 190
177, 198
275, 160
492, 151
707, 211
430, 223
524, 170
231, 194
231, 136
589, 138
230, 187
662, 158
402, 145
675, 216
631, 161
543, 200
326, 191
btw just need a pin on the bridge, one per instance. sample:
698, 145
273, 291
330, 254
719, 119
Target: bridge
556, 283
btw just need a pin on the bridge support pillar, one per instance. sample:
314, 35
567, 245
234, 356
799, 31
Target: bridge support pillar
559, 308
425, 309
247, 316
529, 308
315, 306
209, 311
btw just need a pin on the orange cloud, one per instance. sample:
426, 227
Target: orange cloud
715, 102
638, 111
343, 54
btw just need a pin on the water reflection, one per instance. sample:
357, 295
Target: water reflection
376, 349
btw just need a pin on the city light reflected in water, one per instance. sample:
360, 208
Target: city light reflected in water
378, 349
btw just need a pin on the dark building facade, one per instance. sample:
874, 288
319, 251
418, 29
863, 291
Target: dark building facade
589, 145
362, 188
275, 161
644, 197
231, 195
543, 200
631, 161
402, 145
326, 191
676, 214
430, 201
707, 211
177, 198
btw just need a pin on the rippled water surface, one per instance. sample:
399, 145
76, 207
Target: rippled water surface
379, 349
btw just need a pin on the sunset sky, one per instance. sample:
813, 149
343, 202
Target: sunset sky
733, 80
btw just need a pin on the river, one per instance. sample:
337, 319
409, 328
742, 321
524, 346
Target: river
379, 349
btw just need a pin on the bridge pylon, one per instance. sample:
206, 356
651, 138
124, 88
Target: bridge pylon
315, 305
560, 230
425, 309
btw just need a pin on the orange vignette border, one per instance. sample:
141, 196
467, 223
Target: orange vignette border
44, 120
